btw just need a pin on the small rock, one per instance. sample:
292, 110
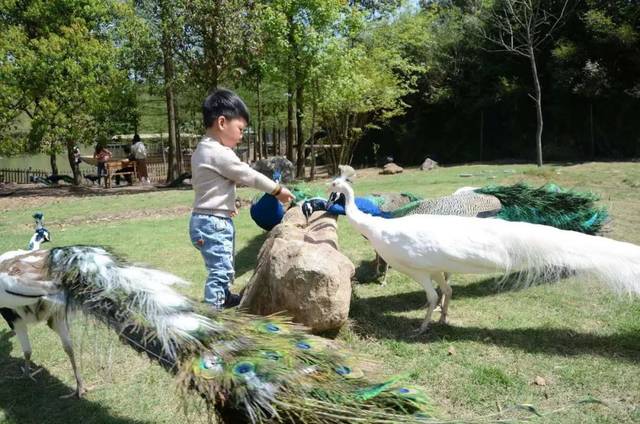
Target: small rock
391, 168
539, 381
269, 165
428, 164
451, 351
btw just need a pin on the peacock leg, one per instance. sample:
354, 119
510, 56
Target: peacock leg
432, 299
21, 332
442, 278
378, 273
385, 270
382, 267
59, 324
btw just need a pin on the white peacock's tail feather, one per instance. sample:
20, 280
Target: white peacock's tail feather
250, 369
544, 252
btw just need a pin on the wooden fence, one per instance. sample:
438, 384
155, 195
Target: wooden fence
20, 176
158, 171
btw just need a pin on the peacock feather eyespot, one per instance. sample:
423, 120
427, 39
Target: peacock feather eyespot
208, 366
411, 394
270, 327
343, 370
349, 372
303, 345
243, 368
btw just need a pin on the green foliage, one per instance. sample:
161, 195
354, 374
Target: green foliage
61, 71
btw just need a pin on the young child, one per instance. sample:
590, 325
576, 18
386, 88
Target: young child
216, 170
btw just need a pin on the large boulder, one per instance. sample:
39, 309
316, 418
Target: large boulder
391, 168
301, 272
269, 165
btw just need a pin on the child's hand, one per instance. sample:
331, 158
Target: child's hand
285, 195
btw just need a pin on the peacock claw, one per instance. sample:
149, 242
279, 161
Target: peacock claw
443, 320
78, 393
424, 329
31, 375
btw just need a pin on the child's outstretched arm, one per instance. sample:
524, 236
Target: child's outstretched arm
230, 166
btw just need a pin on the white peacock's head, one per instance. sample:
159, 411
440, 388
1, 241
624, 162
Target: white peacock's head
339, 185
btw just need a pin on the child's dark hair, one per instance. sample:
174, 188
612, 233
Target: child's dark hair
223, 102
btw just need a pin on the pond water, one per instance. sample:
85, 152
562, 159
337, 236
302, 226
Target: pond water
41, 162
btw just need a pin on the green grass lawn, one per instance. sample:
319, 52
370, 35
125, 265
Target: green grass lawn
583, 340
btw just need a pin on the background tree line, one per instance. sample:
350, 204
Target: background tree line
355, 80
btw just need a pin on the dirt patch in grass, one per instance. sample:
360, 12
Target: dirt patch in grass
14, 196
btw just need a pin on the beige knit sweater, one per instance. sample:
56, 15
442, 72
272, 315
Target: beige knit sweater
216, 170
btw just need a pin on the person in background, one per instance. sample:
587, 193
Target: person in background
139, 153
102, 155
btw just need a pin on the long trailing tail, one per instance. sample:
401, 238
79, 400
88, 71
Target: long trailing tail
549, 205
546, 205
543, 251
255, 369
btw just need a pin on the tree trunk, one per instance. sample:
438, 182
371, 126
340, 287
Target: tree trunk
591, 134
265, 153
312, 173
179, 167
259, 137
481, 134
75, 168
279, 150
212, 57
300, 135
290, 88
169, 75
538, 100
290, 134
53, 163
274, 141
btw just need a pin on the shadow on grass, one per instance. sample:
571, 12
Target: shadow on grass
247, 257
26, 401
369, 321
487, 287
366, 273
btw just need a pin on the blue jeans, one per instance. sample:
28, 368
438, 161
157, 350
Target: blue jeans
214, 237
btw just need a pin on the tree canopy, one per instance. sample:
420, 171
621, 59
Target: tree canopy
358, 80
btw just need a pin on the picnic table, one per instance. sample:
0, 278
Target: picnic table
112, 167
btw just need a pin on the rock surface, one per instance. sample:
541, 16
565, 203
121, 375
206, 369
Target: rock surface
301, 272
391, 168
269, 165
428, 164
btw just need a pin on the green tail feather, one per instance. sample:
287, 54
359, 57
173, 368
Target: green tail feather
406, 209
549, 205
302, 192
273, 368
